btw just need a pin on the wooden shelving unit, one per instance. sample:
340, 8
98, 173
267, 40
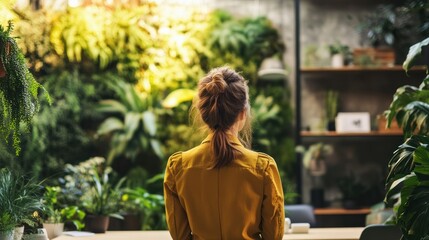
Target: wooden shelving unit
341, 211
359, 69
363, 134
340, 217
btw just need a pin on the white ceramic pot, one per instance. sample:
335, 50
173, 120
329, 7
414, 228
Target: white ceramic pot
53, 229
7, 235
19, 232
337, 60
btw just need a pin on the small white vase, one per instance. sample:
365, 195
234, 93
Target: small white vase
19, 232
53, 229
337, 60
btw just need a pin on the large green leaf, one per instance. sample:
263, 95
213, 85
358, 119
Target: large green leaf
414, 118
109, 125
149, 122
413, 53
402, 162
131, 124
111, 106
177, 97
156, 146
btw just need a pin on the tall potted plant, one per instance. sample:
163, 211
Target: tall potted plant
18, 88
101, 202
408, 176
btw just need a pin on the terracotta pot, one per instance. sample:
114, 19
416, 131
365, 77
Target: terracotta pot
96, 224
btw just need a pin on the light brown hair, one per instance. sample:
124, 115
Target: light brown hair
223, 95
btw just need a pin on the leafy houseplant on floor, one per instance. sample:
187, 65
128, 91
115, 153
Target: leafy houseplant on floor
18, 88
408, 175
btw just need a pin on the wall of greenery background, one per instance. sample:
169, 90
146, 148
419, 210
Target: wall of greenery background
83, 56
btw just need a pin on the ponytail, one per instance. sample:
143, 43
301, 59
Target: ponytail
222, 97
224, 152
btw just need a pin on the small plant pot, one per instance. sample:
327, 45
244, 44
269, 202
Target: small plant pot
54, 229
337, 60
330, 126
96, 224
40, 235
18, 233
7, 235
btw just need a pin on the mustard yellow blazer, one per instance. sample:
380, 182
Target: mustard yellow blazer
243, 200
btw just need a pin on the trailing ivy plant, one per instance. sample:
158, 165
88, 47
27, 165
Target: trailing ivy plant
18, 88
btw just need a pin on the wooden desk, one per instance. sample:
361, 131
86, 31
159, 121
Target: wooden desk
314, 234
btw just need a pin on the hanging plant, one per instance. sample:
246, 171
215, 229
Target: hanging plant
18, 88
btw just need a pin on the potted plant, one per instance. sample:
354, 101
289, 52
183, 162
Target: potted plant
136, 207
100, 202
19, 89
19, 199
331, 108
339, 53
314, 162
408, 168
56, 214
33, 229
352, 189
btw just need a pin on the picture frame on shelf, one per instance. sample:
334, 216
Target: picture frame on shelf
353, 122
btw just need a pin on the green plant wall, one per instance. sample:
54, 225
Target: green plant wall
80, 52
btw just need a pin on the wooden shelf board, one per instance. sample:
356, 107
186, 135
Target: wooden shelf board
359, 69
341, 211
363, 134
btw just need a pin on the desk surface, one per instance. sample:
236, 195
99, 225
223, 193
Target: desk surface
314, 234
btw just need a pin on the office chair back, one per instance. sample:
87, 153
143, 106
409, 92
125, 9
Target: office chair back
381, 231
301, 213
